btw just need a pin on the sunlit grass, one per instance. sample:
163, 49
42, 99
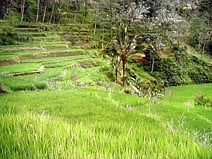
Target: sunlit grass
7, 55
18, 68
38, 81
177, 108
92, 119
66, 62
84, 123
54, 59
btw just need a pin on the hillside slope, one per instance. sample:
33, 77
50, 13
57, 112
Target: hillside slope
85, 123
42, 56
84, 115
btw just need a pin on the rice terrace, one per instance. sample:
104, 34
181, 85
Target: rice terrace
105, 79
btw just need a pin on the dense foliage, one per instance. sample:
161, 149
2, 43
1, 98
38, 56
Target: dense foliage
160, 31
87, 79
200, 100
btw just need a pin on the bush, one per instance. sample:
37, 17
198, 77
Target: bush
181, 68
7, 39
200, 74
200, 100
108, 72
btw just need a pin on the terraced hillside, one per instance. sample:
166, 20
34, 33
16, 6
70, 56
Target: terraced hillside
62, 104
48, 61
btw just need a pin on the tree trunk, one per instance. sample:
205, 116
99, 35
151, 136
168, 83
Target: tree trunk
103, 35
123, 72
94, 31
59, 11
44, 12
153, 63
85, 8
4, 8
203, 47
67, 9
22, 9
76, 9
95, 18
50, 20
38, 8
116, 75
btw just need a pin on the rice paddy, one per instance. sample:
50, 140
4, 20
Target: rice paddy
61, 105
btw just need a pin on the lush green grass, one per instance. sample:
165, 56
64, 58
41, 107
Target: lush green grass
56, 76
34, 136
177, 108
7, 56
40, 81
182, 94
66, 62
68, 121
86, 75
37, 52
51, 78
27, 30
18, 68
87, 123
54, 59
33, 44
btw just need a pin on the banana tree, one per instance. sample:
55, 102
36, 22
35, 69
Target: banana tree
124, 46
115, 61
121, 49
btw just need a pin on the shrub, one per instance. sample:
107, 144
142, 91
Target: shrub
108, 72
6, 39
200, 100
181, 68
200, 74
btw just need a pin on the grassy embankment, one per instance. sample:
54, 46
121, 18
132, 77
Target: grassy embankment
86, 123
76, 122
38, 64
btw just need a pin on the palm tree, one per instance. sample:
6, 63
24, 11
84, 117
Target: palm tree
124, 47
121, 49
115, 61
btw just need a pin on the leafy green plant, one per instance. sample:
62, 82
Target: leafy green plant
101, 124
7, 39
181, 68
201, 100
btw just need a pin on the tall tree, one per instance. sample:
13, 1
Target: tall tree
205, 9
85, 8
52, 2
96, 14
123, 46
115, 61
76, 8
4, 8
59, 7
44, 10
38, 10
67, 9
22, 9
